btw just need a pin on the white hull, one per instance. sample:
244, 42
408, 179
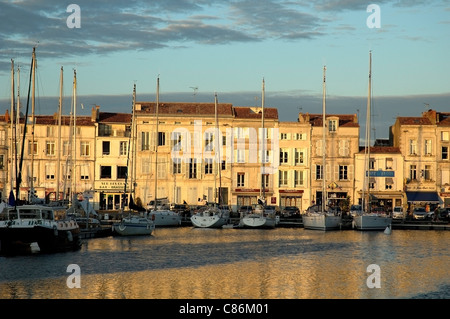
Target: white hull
165, 218
257, 221
371, 222
134, 226
214, 221
321, 222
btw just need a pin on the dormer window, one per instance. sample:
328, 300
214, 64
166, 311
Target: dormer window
332, 125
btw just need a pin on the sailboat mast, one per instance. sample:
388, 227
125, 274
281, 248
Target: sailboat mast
156, 141
74, 167
368, 132
33, 124
262, 192
133, 143
58, 163
216, 139
324, 132
12, 123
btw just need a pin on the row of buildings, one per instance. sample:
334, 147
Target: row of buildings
106, 157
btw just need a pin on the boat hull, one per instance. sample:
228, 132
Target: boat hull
134, 227
257, 221
165, 218
15, 239
322, 222
371, 222
208, 221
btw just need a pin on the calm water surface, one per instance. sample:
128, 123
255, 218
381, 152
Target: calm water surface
283, 263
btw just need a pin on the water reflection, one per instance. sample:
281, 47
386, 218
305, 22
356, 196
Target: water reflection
229, 263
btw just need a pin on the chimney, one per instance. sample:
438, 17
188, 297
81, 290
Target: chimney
6, 116
95, 113
431, 115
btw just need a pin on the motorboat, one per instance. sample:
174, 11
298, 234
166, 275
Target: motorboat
50, 228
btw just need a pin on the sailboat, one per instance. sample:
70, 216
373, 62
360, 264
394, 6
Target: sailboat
369, 220
161, 215
22, 225
215, 215
259, 217
321, 219
133, 225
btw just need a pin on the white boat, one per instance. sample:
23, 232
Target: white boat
319, 218
134, 226
20, 226
163, 217
210, 217
259, 217
368, 220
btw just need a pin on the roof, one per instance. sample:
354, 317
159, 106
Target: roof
413, 120
106, 117
65, 120
247, 112
345, 120
183, 108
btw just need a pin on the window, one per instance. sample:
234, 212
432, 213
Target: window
122, 171
145, 166
224, 165
283, 136
208, 165
427, 147
343, 172
106, 147
344, 148
176, 141
412, 147
50, 171
123, 148
298, 178
161, 138
412, 172
389, 163
283, 178
193, 168
300, 136
332, 125
66, 148
372, 163
145, 141
240, 179
105, 171
299, 157
444, 136
283, 156
35, 148
240, 156
84, 173
427, 173
209, 137
50, 148
85, 149
2, 163
50, 131
104, 130
2, 137
444, 152
319, 172
388, 182
319, 148
265, 158
372, 183
176, 166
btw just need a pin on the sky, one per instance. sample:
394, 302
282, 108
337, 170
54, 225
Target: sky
197, 48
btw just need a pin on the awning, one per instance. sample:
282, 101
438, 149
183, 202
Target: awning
429, 197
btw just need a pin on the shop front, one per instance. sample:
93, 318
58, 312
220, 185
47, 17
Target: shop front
249, 196
110, 195
291, 198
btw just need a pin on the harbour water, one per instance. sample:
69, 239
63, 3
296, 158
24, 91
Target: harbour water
281, 263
